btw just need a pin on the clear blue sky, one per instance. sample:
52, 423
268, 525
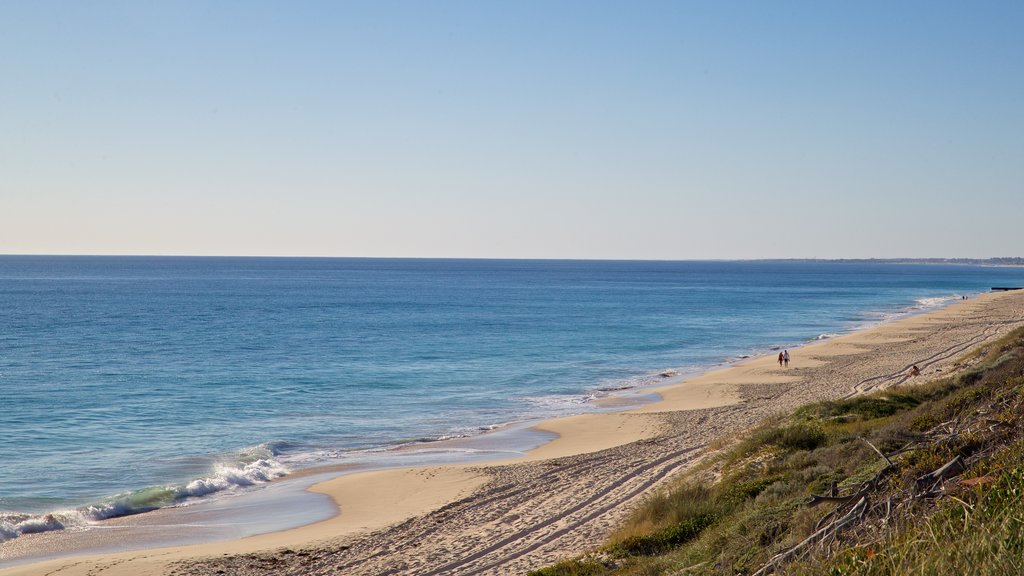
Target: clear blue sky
540, 129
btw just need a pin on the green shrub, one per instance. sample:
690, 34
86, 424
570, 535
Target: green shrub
801, 436
737, 492
866, 407
663, 539
574, 567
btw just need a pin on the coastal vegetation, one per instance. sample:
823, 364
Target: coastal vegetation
920, 479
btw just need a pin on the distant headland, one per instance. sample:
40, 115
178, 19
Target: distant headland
1002, 261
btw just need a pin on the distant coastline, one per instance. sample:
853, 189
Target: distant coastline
997, 261
1001, 261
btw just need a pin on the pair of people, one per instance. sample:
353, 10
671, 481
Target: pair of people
784, 358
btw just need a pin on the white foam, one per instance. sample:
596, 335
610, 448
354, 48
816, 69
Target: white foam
933, 302
874, 317
13, 525
45, 523
230, 477
560, 402
8, 531
226, 477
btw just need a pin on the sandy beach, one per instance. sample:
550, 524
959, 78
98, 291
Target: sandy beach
567, 495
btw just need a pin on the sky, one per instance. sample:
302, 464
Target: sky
525, 129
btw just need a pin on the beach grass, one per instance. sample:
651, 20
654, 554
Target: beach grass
751, 502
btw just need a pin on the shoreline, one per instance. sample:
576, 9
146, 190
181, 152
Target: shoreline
362, 499
493, 443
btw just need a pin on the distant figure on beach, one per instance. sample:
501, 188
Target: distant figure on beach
915, 371
785, 357
781, 357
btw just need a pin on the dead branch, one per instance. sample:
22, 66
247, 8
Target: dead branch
834, 528
816, 499
889, 462
925, 484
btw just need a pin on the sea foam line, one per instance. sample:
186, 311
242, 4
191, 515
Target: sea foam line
225, 477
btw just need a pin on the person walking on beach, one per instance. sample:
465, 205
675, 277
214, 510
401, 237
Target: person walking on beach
780, 359
785, 357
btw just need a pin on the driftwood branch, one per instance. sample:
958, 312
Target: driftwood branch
887, 461
954, 467
844, 516
816, 499
947, 470
831, 529
833, 495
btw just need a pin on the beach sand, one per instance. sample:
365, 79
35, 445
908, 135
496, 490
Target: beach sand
567, 495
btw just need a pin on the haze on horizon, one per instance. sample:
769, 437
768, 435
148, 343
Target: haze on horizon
654, 130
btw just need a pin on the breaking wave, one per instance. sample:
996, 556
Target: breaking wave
253, 466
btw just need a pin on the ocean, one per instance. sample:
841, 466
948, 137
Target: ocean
133, 383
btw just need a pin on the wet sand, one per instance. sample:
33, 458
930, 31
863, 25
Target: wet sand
567, 495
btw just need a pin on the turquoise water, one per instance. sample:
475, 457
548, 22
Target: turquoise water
133, 383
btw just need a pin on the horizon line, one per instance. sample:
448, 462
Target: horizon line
489, 258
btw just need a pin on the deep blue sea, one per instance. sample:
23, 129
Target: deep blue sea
128, 383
